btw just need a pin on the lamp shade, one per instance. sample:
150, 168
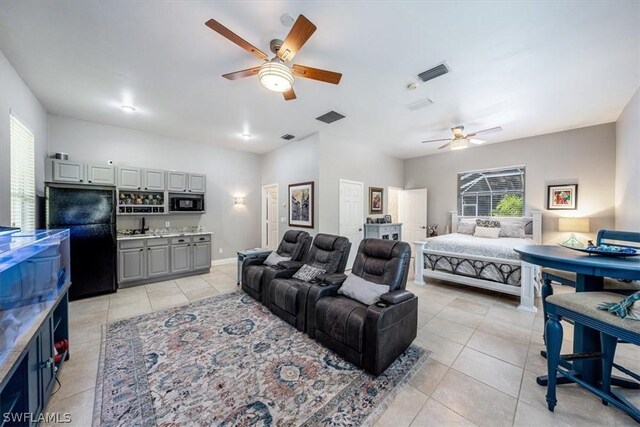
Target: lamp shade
573, 225
275, 76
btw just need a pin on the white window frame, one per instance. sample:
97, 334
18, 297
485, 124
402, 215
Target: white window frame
491, 193
22, 166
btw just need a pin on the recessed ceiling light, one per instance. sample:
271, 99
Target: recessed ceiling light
246, 136
128, 109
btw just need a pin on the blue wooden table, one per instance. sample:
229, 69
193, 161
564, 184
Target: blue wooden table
590, 273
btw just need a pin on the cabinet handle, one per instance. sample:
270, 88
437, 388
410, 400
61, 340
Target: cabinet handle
145, 188
195, 244
48, 363
141, 250
80, 180
181, 240
138, 188
89, 181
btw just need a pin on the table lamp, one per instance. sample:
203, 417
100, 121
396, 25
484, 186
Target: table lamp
573, 226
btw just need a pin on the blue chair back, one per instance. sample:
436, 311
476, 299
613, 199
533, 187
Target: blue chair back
627, 239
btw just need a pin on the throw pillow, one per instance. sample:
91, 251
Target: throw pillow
489, 232
512, 228
307, 273
466, 227
488, 223
274, 259
355, 287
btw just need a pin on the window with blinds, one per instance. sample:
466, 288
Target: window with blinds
493, 192
23, 181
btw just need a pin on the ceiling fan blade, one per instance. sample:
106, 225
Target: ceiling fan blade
476, 141
300, 32
289, 95
227, 33
243, 73
486, 131
316, 74
436, 140
445, 145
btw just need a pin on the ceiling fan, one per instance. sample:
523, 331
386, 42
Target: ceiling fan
274, 74
460, 140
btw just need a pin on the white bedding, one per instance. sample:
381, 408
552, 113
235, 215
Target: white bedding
456, 243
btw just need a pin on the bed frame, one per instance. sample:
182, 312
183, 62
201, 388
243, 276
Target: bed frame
528, 272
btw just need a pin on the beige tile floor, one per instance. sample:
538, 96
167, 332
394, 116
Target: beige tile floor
485, 357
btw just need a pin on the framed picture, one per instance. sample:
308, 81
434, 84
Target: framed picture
562, 197
375, 200
301, 204
387, 219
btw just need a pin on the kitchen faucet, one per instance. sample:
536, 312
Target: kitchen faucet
143, 228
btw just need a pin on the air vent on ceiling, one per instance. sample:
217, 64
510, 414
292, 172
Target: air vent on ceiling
330, 117
287, 136
434, 72
419, 104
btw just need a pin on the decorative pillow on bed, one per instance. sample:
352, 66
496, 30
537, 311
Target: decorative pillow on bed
275, 259
466, 227
512, 228
355, 287
487, 223
489, 232
307, 273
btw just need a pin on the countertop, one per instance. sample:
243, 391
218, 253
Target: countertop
122, 237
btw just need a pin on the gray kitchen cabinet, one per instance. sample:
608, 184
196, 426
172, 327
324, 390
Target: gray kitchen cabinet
197, 183
158, 260
68, 171
181, 258
153, 180
131, 263
100, 174
129, 178
176, 181
201, 255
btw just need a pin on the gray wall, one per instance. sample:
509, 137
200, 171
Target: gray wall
293, 163
16, 97
345, 159
229, 173
585, 156
628, 166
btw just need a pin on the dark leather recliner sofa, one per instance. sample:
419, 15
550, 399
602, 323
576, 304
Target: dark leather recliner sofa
287, 297
373, 336
255, 274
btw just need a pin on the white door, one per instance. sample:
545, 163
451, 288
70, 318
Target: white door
351, 215
412, 213
272, 218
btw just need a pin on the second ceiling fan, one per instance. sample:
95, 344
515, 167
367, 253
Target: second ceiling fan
274, 74
461, 140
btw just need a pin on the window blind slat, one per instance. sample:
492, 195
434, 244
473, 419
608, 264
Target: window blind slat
23, 185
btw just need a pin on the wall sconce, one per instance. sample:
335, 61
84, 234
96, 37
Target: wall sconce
239, 200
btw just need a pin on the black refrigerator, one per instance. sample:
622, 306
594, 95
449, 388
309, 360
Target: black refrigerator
89, 212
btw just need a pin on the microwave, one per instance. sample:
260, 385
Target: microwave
186, 204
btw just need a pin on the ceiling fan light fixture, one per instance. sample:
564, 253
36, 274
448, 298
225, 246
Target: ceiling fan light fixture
275, 76
459, 144
477, 141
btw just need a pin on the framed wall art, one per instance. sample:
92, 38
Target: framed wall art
301, 204
376, 197
562, 197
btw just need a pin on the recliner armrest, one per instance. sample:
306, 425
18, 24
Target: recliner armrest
395, 297
336, 279
290, 265
253, 261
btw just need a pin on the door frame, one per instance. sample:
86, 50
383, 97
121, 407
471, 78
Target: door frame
263, 216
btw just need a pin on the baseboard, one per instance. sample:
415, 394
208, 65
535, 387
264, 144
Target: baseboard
224, 261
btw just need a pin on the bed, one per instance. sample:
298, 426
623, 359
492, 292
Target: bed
482, 262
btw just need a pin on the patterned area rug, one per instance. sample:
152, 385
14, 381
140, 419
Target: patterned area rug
229, 361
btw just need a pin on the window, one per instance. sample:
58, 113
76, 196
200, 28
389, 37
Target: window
493, 192
23, 182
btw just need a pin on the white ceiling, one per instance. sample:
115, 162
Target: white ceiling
530, 67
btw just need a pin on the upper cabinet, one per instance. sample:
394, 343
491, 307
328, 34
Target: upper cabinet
129, 178
153, 180
197, 183
68, 171
100, 174
176, 181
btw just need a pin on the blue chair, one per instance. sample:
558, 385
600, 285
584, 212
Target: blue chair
619, 238
582, 309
